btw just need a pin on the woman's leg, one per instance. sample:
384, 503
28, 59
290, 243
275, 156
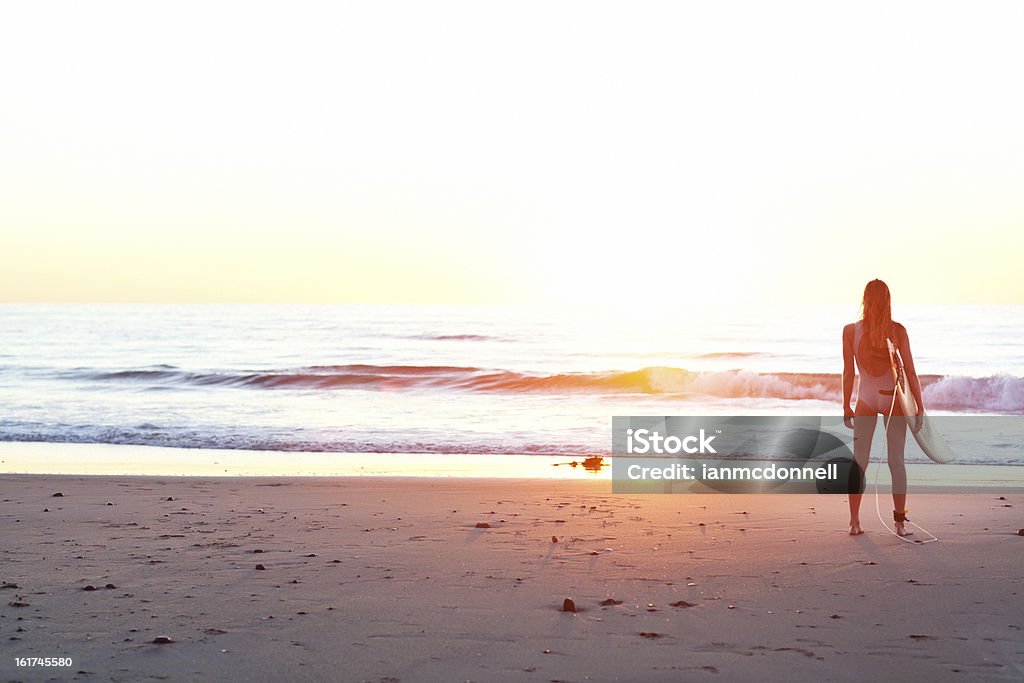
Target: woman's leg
897, 441
864, 420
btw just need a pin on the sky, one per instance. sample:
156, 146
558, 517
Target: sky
510, 152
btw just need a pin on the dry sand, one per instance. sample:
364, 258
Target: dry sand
385, 579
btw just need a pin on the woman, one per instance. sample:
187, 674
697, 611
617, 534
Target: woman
865, 344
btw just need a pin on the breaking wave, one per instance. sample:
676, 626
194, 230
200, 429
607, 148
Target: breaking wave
1000, 393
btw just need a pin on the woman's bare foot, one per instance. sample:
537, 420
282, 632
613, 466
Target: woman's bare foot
900, 519
901, 530
855, 529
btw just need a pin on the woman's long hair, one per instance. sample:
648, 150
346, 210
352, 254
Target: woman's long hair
876, 312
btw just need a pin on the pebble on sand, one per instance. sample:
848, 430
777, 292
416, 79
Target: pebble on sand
163, 640
260, 567
682, 603
483, 525
90, 587
57, 495
568, 605
608, 602
554, 539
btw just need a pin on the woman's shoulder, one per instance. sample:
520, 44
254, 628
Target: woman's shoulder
899, 331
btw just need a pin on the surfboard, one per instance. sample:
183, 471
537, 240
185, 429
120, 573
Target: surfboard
927, 437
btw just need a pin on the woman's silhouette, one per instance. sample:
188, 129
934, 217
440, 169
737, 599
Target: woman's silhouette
865, 345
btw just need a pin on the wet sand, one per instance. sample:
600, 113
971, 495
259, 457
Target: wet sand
405, 578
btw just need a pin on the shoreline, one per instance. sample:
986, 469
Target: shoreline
76, 459
37, 458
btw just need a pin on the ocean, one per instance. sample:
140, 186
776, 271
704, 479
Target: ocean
487, 380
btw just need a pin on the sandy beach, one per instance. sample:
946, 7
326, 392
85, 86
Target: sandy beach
397, 579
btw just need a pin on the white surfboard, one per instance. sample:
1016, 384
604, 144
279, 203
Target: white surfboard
928, 439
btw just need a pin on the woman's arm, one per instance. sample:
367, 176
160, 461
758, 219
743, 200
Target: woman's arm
848, 375
908, 367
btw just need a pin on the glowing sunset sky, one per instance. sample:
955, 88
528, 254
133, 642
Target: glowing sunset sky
441, 152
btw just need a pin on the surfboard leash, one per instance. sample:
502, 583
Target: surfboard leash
878, 510
915, 541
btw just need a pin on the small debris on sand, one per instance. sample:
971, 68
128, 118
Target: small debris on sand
163, 640
649, 634
682, 603
554, 539
568, 605
89, 587
260, 567
608, 602
483, 525
57, 495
